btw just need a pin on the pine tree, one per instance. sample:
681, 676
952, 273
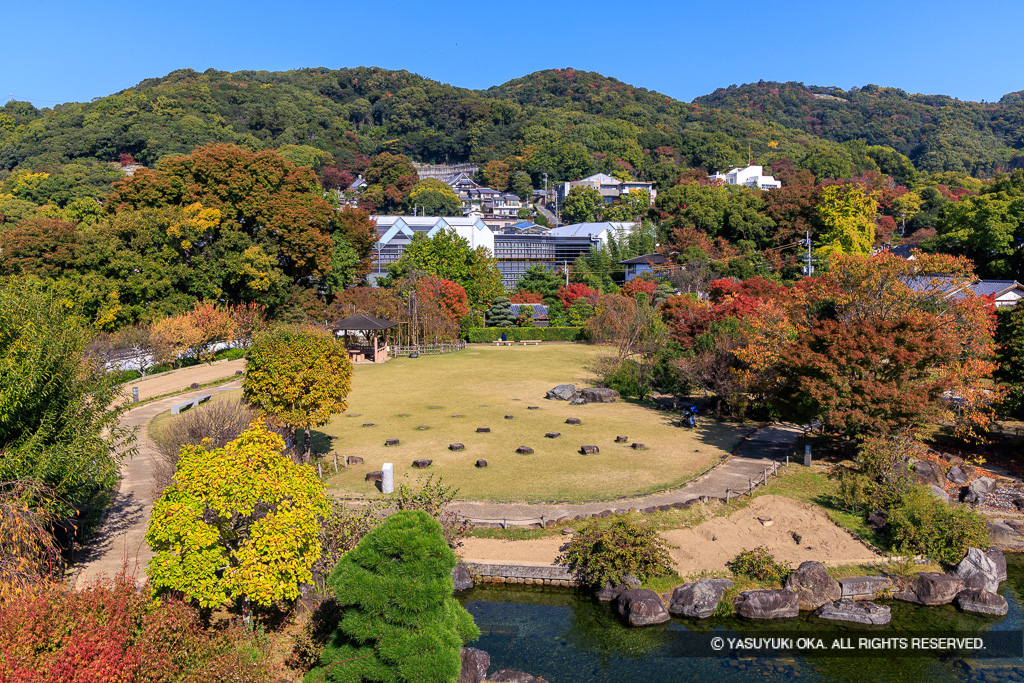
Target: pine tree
500, 313
400, 621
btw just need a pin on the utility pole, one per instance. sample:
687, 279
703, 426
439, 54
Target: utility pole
565, 269
809, 268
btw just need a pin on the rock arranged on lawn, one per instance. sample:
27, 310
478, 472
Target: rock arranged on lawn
422, 464
641, 607
857, 611
599, 395
403, 415
456, 447
368, 424
354, 460
699, 599
563, 392
194, 385
573, 421
456, 416
422, 427
533, 407
813, 585
552, 435
433, 407
483, 430
524, 450
375, 476
481, 463
638, 447
391, 442
621, 439
510, 417
589, 450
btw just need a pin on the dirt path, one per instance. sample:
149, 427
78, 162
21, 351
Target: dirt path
121, 540
179, 380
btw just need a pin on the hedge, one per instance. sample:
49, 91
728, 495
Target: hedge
484, 335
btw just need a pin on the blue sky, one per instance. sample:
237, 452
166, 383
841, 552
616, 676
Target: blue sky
74, 51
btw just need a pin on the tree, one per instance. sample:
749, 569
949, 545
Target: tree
989, 228
358, 231
432, 197
400, 621
606, 552
495, 174
1010, 345
500, 313
629, 206
239, 524
449, 256
299, 376
522, 185
542, 281
576, 290
638, 333
848, 217
38, 246
582, 205
446, 293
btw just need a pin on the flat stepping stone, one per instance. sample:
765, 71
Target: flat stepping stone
391, 442
638, 447
433, 407
456, 447
422, 427
375, 476
456, 416
369, 424
510, 417
621, 439
481, 463
573, 421
422, 464
524, 450
533, 407
552, 435
403, 415
589, 450
483, 430
354, 460
353, 415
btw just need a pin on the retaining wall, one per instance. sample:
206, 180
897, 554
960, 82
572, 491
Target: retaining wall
530, 575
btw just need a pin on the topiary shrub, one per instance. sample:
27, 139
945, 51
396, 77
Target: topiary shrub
500, 313
922, 524
758, 564
603, 552
400, 620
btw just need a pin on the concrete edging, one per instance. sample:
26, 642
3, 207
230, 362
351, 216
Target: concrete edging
528, 574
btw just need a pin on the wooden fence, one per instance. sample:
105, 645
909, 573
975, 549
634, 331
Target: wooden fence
395, 350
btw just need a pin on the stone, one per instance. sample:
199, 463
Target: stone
422, 427
621, 439
978, 570
481, 463
939, 493
461, 578
859, 612
638, 447
813, 586
422, 464
928, 473
194, 385
599, 395
391, 442
456, 447
456, 416
483, 430
375, 476
524, 450
369, 424
796, 539
510, 417
981, 601
589, 450
878, 520
354, 460
608, 592
931, 588
997, 557
563, 392
865, 587
765, 521
699, 599
641, 607
568, 532
475, 664
768, 604
983, 485
238, 373
533, 407
573, 421
956, 476
513, 676
552, 435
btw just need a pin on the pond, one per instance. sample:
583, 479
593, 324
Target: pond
567, 637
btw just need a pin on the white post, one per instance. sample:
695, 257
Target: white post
388, 485
807, 455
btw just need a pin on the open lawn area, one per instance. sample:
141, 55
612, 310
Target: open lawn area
454, 394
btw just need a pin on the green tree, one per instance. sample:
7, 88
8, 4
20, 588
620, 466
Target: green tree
500, 313
400, 621
449, 256
582, 205
522, 185
542, 281
432, 197
848, 217
300, 376
238, 524
989, 228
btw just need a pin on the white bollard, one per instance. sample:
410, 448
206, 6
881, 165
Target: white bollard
388, 485
807, 455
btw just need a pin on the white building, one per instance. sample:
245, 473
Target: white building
395, 233
610, 188
751, 176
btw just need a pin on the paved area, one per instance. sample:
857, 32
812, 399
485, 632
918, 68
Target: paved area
121, 540
178, 380
761, 451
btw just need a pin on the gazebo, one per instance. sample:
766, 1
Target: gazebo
371, 331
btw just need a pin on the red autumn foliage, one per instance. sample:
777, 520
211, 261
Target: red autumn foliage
638, 286
335, 179
449, 295
526, 298
576, 290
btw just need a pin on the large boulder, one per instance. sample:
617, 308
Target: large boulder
768, 604
813, 586
928, 473
865, 587
980, 601
609, 592
475, 664
513, 676
983, 485
461, 578
997, 557
699, 599
956, 475
978, 570
641, 607
859, 612
931, 588
599, 395
563, 392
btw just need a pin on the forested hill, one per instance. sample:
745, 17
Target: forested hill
937, 132
562, 122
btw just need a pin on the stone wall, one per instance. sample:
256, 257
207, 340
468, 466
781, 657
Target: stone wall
530, 575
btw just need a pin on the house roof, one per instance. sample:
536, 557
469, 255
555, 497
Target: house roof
363, 323
539, 310
646, 259
995, 287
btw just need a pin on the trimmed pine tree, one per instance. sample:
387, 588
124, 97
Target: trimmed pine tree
500, 313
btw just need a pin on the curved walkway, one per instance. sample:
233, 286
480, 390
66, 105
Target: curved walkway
121, 539
759, 452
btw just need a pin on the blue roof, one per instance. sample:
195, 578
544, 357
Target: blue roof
539, 310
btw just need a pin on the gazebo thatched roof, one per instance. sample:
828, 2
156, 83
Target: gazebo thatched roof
363, 323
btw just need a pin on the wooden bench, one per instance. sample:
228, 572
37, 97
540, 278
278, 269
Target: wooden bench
190, 404
504, 343
531, 341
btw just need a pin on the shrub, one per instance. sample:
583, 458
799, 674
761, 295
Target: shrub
485, 335
758, 564
603, 552
433, 498
220, 421
500, 313
922, 524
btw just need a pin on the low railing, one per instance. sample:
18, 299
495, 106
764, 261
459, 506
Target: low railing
759, 480
395, 350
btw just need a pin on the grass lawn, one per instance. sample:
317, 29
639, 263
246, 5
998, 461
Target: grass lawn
454, 394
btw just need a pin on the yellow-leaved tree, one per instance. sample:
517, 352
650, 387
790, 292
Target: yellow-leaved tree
238, 524
849, 218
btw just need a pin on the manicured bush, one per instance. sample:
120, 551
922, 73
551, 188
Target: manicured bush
604, 551
485, 335
400, 621
922, 524
500, 313
758, 564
